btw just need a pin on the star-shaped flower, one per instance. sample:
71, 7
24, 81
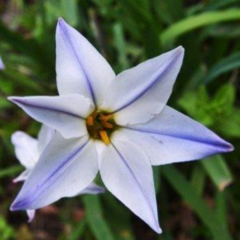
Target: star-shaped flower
28, 150
119, 125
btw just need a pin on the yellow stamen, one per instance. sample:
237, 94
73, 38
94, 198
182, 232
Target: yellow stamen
105, 118
90, 121
104, 137
106, 124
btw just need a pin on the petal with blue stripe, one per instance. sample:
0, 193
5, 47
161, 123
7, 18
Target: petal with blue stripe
173, 137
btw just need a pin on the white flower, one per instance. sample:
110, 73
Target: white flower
28, 150
2, 66
119, 125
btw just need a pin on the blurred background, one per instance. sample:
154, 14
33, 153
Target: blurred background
196, 200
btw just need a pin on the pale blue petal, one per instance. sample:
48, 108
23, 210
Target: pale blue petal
137, 94
22, 177
26, 149
127, 174
173, 137
92, 189
64, 169
80, 67
2, 66
45, 135
63, 113
31, 215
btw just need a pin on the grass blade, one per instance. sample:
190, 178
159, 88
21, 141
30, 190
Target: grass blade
96, 219
218, 171
224, 65
189, 194
197, 21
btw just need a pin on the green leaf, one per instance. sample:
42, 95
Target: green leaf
169, 11
225, 96
197, 21
225, 31
11, 171
118, 217
224, 65
218, 171
221, 207
78, 231
96, 219
189, 194
230, 125
120, 45
28, 47
70, 10
6, 231
217, 4
198, 179
197, 104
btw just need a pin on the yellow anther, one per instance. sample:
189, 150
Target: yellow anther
105, 118
106, 124
104, 137
90, 121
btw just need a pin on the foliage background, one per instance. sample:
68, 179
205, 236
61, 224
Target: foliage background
196, 200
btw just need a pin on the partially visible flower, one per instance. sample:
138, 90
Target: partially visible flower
119, 125
28, 151
2, 66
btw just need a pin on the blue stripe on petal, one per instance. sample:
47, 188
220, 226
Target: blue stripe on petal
215, 141
133, 175
24, 103
63, 26
41, 187
157, 77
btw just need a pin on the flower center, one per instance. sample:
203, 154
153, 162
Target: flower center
101, 125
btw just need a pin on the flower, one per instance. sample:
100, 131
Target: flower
119, 125
28, 151
2, 66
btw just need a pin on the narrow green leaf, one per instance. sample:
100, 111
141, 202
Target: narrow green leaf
96, 219
218, 171
221, 207
224, 65
189, 194
223, 31
120, 45
28, 47
70, 10
198, 179
217, 4
118, 217
11, 171
230, 125
197, 21
170, 10
78, 231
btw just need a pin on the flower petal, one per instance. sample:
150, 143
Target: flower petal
26, 149
44, 137
63, 113
31, 215
127, 173
173, 137
80, 67
64, 169
23, 176
2, 66
139, 93
92, 189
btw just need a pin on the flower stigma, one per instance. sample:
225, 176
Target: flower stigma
101, 125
